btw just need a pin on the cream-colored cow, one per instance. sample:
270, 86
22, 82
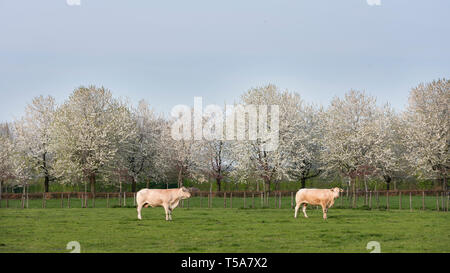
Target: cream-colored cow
323, 197
166, 198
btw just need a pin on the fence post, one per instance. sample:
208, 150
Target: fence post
262, 196
292, 200
82, 200
387, 200
107, 200
445, 209
209, 200
437, 201
62, 199
378, 200
442, 199
244, 199
410, 202
275, 199
43, 200
370, 199
124, 199
224, 199
279, 200
134, 199
399, 200
93, 200
231, 199
7, 205
423, 200
253, 200
68, 201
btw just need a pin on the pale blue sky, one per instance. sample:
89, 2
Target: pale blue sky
169, 51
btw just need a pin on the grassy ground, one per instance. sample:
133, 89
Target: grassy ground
222, 230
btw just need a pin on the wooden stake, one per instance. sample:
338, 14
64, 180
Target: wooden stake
62, 199
387, 200
244, 199
437, 201
224, 199
399, 200
279, 200
107, 200
370, 199
292, 200
253, 200
445, 209
231, 199
378, 200
410, 201
68, 201
423, 200
124, 199
262, 196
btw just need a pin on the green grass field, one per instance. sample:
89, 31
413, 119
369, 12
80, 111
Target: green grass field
222, 230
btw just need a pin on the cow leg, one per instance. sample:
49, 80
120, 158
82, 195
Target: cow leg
324, 210
139, 208
170, 213
166, 209
296, 209
304, 210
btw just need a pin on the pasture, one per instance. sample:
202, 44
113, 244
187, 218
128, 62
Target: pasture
236, 229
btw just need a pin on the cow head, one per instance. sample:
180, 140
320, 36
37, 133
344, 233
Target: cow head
336, 191
185, 193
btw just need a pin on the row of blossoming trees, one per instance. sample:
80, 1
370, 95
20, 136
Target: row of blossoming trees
94, 137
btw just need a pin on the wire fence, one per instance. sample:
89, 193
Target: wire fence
368, 200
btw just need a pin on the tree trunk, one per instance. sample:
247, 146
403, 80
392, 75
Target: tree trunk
46, 183
388, 181
180, 178
218, 180
303, 180
133, 184
267, 185
354, 192
1, 188
92, 182
47, 176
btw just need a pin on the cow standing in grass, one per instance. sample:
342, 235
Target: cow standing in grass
168, 199
323, 197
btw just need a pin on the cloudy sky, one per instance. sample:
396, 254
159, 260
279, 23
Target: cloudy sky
167, 52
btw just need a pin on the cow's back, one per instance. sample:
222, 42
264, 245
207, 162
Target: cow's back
154, 197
